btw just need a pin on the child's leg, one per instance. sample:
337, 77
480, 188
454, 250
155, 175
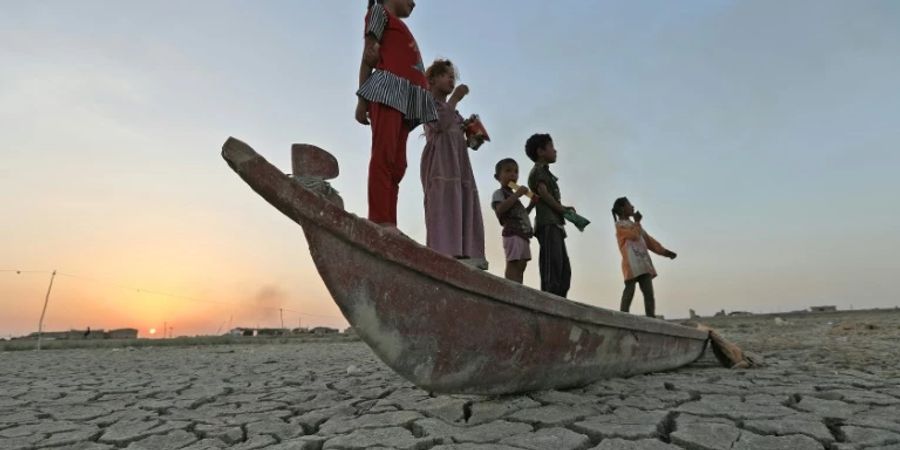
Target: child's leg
388, 162
553, 260
646, 283
627, 295
399, 167
515, 270
545, 263
565, 275
518, 253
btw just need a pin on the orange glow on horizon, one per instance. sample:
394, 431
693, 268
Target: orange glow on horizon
126, 299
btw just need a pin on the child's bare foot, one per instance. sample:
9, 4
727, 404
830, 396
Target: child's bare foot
391, 228
478, 263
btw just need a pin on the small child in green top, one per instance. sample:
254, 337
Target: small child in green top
549, 225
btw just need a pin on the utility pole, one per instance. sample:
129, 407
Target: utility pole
165, 329
281, 313
44, 311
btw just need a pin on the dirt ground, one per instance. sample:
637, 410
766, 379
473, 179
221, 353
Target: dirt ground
867, 340
832, 381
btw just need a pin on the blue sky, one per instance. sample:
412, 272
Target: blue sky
758, 138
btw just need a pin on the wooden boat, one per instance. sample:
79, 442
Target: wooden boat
445, 326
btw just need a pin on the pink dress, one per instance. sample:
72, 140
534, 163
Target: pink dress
452, 212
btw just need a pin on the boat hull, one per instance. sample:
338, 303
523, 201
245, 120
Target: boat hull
449, 328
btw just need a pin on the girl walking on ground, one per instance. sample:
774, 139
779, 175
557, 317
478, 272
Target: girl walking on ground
634, 244
452, 211
393, 96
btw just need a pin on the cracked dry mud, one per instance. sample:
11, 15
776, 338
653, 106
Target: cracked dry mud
832, 382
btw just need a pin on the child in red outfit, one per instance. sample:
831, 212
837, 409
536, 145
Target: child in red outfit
393, 94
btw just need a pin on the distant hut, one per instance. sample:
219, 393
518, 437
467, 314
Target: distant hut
97, 334
246, 332
271, 332
50, 335
324, 331
76, 334
818, 309
85, 334
122, 333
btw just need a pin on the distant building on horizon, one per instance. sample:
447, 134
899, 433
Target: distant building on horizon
122, 333
75, 335
240, 331
324, 330
271, 331
828, 308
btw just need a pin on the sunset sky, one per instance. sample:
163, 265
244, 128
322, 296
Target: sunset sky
759, 138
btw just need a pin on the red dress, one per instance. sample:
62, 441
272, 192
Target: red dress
399, 101
399, 77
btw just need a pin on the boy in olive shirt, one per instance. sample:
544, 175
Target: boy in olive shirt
549, 226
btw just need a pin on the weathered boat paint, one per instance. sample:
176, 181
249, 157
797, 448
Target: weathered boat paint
450, 328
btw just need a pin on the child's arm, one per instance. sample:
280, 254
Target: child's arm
371, 51
362, 106
654, 246
550, 201
458, 94
447, 117
508, 203
376, 21
534, 201
371, 55
365, 71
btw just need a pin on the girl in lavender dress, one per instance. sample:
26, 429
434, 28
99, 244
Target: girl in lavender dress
452, 212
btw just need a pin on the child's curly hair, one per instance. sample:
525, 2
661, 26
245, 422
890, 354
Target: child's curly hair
534, 143
440, 67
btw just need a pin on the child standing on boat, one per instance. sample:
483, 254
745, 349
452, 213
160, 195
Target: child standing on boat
452, 211
517, 231
392, 95
634, 244
549, 226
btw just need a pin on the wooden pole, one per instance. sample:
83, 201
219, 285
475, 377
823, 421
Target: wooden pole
44, 311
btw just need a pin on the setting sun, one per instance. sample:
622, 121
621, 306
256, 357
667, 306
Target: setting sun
153, 331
